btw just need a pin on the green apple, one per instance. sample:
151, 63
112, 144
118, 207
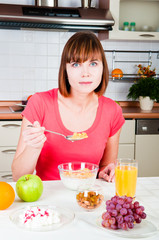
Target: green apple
29, 188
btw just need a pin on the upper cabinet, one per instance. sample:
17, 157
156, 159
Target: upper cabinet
144, 13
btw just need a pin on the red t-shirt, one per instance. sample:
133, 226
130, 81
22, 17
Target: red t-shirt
43, 107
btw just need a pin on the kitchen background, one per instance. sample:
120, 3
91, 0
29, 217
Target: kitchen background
29, 60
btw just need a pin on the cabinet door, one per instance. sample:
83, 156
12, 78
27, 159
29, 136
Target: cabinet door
128, 132
147, 155
6, 176
9, 132
135, 11
126, 151
127, 140
6, 158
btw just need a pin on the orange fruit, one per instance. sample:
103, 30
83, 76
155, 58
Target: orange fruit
117, 72
7, 195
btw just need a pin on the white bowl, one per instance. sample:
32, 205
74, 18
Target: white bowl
78, 174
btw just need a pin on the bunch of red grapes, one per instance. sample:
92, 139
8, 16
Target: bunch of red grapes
122, 213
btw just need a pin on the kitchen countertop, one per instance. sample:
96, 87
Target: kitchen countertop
84, 225
6, 112
131, 110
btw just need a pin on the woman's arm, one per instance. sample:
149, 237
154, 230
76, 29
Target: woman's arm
30, 143
107, 164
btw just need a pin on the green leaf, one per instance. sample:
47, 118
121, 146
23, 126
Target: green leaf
145, 87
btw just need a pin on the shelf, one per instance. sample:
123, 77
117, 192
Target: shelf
149, 58
129, 78
131, 51
142, 12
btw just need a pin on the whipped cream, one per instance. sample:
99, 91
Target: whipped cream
37, 217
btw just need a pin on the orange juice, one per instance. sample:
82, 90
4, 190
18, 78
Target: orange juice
125, 180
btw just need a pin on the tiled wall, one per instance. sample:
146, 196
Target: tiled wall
29, 60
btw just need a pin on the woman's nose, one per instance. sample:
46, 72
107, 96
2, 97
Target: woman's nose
85, 71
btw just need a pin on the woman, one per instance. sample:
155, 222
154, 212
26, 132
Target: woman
76, 106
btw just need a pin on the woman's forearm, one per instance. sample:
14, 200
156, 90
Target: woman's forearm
29, 147
25, 163
107, 164
111, 151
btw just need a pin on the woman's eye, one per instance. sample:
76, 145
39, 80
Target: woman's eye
75, 64
93, 64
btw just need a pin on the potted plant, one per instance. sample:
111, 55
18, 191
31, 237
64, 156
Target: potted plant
146, 89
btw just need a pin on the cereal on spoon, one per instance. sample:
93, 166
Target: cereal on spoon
79, 135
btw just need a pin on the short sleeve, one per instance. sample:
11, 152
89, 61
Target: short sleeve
117, 120
34, 109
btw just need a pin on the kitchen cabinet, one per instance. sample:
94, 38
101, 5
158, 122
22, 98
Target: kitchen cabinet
9, 132
139, 140
127, 140
6, 157
143, 12
147, 150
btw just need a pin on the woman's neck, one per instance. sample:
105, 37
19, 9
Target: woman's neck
78, 112
80, 102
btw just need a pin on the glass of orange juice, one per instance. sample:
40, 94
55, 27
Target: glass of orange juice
126, 177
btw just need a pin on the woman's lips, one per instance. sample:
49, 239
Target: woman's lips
85, 83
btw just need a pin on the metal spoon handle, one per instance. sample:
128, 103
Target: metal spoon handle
55, 133
50, 131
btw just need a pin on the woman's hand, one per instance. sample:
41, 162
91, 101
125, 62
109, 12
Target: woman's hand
34, 136
108, 173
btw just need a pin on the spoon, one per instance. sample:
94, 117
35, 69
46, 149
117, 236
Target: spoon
68, 137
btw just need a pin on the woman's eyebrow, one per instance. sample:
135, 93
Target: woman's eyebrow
95, 59
89, 59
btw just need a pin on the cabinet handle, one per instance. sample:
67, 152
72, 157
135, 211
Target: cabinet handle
9, 151
147, 35
7, 176
11, 125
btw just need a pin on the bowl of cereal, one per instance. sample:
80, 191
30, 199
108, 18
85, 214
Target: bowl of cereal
78, 174
91, 198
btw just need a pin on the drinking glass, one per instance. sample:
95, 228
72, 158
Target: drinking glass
126, 177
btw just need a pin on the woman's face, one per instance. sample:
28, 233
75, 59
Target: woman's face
86, 76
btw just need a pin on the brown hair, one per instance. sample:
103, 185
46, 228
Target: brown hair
79, 48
